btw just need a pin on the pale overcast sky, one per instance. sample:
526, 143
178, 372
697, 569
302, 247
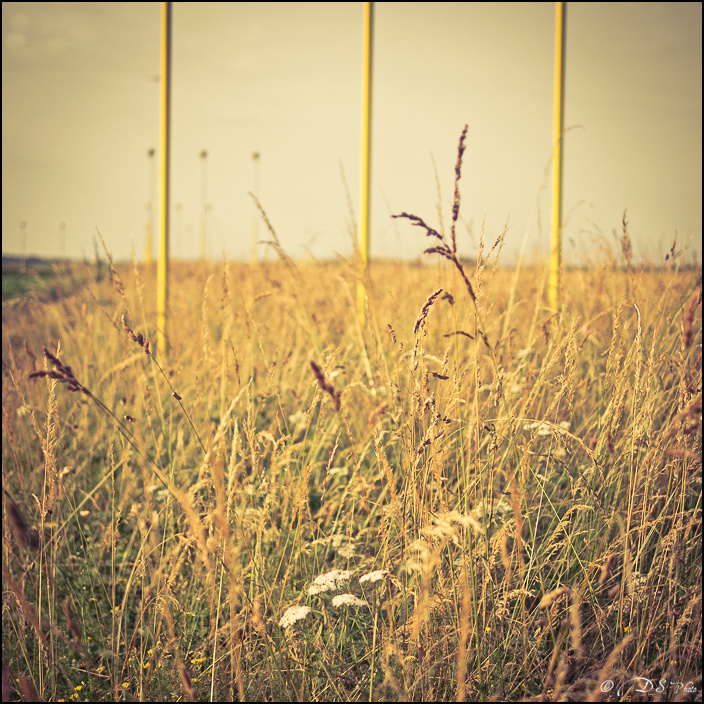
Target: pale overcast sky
80, 110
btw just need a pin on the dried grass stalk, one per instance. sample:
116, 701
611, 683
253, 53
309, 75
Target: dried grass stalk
694, 300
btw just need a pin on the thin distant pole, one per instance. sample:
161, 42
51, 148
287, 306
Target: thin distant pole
162, 269
178, 208
366, 151
203, 203
558, 113
255, 210
23, 246
148, 253
62, 240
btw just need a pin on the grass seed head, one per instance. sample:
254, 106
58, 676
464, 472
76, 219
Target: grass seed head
142, 341
20, 527
328, 388
72, 624
62, 373
606, 570
424, 310
550, 597
185, 676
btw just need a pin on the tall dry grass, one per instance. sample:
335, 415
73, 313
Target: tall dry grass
469, 496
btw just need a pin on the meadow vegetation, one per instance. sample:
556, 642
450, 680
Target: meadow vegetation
43, 279
465, 495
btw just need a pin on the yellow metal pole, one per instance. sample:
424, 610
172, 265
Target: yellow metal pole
558, 112
162, 269
366, 150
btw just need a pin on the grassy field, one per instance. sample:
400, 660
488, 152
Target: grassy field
44, 279
463, 497
458, 493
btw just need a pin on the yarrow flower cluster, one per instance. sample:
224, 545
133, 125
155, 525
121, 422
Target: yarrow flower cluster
377, 576
347, 600
343, 545
330, 581
336, 580
293, 614
546, 429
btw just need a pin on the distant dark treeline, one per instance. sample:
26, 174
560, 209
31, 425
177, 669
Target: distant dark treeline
39, 262
28, 261
11, 262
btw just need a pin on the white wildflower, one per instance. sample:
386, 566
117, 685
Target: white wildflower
497, 508
298, 423
443, 524
373, 576
293, 614
377, 575
296, 418
545, 429
330, 581
347, 600
343, 545
347, 551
